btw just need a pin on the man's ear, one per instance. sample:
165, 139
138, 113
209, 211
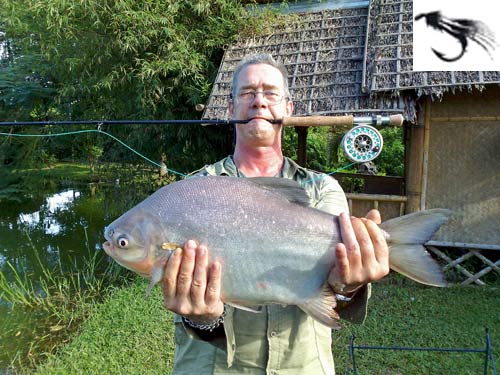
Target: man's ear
289, 108
231, 108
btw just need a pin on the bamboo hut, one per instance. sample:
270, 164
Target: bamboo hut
358, 60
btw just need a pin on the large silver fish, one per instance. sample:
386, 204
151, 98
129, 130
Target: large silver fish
273, 247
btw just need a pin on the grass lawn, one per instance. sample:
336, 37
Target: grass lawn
128, 334
60, 171
405, 314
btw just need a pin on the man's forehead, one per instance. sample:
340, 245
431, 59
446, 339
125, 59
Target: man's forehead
260, 75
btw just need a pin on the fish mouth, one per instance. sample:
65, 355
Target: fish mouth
108, 247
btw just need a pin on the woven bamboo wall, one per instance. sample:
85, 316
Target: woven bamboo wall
464, 166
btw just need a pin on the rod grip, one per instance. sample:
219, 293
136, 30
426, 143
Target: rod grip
318, 121
396, 120
343, 121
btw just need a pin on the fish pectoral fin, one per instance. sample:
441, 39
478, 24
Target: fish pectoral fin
322, 308
157, 271
253, 309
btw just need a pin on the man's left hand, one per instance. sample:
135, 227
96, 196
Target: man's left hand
363, 257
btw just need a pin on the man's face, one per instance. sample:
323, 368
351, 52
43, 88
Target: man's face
259, 131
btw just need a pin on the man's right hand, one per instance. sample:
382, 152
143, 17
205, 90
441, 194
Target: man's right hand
191, 287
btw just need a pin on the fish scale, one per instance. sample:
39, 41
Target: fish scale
256, 239
273, 247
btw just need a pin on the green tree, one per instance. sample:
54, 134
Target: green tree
130, 60
25, 95
391, 160
324, 150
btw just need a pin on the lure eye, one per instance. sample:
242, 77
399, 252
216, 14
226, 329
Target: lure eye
122, 242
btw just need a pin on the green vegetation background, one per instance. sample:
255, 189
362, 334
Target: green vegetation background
91, 60
94, 60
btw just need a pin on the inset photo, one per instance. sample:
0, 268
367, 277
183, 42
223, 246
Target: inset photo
450, 35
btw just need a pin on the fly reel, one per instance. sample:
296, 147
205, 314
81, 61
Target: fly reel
362, 143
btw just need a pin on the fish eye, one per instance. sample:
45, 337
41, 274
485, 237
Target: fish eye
122, 242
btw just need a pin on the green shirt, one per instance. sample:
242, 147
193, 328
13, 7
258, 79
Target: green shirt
280, 339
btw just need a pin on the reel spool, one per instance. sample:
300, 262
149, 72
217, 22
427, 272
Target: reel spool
362, 143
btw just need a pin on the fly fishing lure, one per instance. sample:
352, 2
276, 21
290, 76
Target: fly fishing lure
461, 29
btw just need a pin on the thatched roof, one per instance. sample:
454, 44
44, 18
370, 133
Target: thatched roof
347, 61
390, 55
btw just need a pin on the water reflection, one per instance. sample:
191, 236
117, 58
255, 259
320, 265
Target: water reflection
31, 240
58, 230
57, 202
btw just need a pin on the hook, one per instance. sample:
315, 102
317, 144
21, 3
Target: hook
461, 29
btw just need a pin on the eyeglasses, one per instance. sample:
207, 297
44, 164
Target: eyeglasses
270, 96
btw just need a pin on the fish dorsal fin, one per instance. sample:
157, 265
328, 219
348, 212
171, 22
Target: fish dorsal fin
288, 189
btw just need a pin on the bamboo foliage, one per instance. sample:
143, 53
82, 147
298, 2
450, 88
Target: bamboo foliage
95, 59
161, 50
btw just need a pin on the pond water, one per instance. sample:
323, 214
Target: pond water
56, 229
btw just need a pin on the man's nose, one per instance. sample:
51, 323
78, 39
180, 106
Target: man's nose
259, 99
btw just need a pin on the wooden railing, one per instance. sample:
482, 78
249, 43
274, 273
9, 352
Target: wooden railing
389, 205
471, 262
464, 260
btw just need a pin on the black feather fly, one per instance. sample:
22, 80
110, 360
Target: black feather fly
462, 30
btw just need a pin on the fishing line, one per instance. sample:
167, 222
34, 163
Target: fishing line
102, 132
138, 153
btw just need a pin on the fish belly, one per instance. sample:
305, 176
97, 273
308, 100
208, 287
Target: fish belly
272, 275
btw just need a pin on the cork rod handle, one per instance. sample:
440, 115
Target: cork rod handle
348, 120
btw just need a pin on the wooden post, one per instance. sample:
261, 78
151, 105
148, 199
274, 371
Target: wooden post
302, 145
425, 157
414, 161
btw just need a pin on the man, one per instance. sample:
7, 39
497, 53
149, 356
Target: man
215, 339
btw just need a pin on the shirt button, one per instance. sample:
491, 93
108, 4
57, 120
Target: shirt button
273, 334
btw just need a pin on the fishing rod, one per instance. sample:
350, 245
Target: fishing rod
302, 121
361, 143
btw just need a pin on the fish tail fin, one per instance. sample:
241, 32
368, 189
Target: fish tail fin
321, 308
407, 235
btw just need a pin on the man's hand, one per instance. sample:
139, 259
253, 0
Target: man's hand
363, 256
191, 287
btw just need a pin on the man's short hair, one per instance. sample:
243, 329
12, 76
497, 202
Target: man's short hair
255, 60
